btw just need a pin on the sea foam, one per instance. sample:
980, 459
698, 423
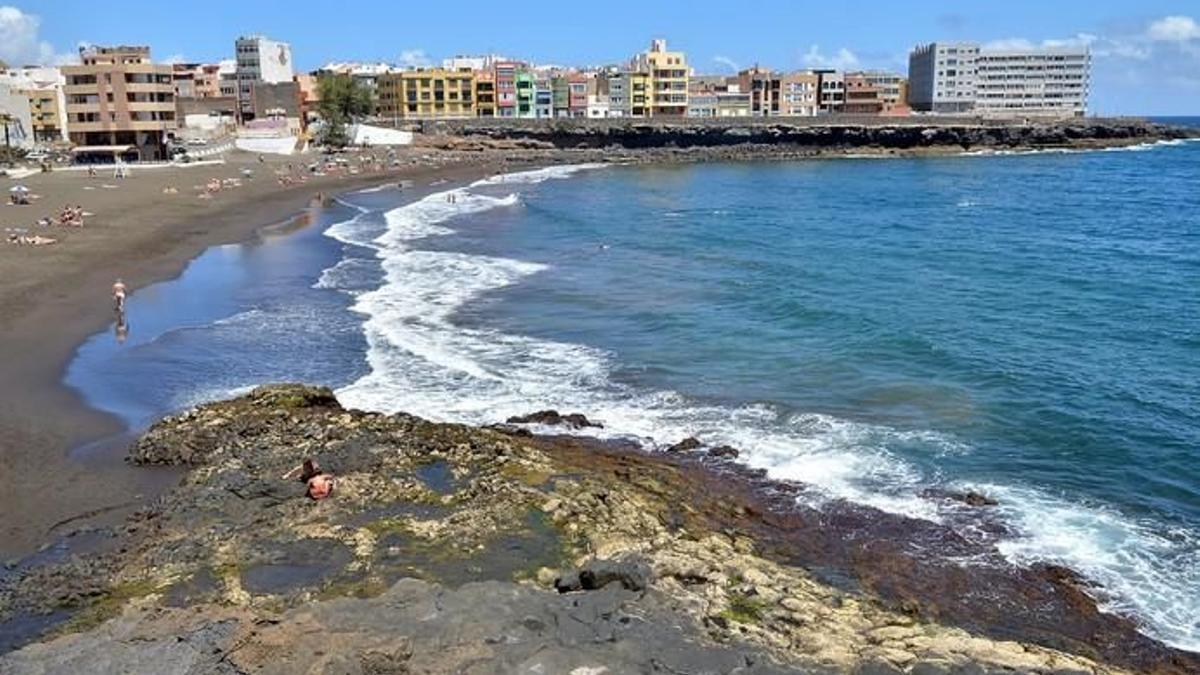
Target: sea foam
421, 362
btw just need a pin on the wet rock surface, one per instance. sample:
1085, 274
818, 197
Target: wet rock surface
553, 418
447, 548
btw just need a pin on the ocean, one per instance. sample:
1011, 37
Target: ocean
1025, 325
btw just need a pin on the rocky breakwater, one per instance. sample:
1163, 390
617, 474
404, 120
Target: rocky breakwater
736, 138
446, 548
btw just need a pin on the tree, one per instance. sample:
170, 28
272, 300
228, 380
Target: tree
343, 100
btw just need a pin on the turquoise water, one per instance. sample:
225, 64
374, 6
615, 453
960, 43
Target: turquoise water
1024, 325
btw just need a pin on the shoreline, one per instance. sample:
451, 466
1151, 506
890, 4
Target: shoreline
50, 315
704, 544
1058, 577
40, 446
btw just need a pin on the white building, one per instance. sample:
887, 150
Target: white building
18, 124
598, 106
260, 59
941, 77
832, 91
1048, 81
964, 77
43, 86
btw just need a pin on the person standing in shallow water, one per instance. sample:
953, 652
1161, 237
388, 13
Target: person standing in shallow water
118, 291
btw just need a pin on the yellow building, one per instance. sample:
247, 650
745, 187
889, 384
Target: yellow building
485, 93
427, 94
46, 115
668, 79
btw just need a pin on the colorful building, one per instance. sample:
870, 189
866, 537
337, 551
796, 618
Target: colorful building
485, 93
668, 79
506, 88
525, 88
427, 93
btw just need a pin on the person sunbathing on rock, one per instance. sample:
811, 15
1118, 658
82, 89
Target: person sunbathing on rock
319, 484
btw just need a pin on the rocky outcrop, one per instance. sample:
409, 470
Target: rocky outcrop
451, 548
915, 134
553, 418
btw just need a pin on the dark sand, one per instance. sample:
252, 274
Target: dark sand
60, 461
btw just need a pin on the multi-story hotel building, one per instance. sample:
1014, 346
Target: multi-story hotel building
427, 94
668, 79
964, 77
119, 103
1050, 81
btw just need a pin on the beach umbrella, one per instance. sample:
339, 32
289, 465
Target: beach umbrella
19, 188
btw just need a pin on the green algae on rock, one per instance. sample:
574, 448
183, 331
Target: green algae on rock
659, 559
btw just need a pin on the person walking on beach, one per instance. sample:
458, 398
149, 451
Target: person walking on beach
118, 290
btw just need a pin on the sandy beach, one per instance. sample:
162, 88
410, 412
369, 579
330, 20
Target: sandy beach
144, 228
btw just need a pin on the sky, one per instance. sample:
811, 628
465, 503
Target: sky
1146, 53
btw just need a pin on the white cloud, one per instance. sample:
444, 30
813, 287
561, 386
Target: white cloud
175, 58
19, 41
1174, 29
414, 58
842, 60
727, 62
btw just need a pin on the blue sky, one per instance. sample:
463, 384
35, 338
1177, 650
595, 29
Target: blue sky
1147, 54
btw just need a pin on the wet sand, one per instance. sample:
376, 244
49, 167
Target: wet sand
53, 297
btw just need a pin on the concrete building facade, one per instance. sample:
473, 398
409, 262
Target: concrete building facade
831, 91
260, 59
15, 115
1049, 81
427, 93
119, 103
43, 87
669, 74
941, 77
964, 77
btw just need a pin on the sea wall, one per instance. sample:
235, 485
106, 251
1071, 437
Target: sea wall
808, 133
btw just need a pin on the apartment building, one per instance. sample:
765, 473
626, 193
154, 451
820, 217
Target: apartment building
427, 93
43, 89
669, 74
506, 88
569, 95
596, 97
717, 97
119, 103
526, 85
1037, 82
15, 115
862, 95
831, 91
543, 98
780, 94
941, 77
259, 59
892, 90
485, 93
